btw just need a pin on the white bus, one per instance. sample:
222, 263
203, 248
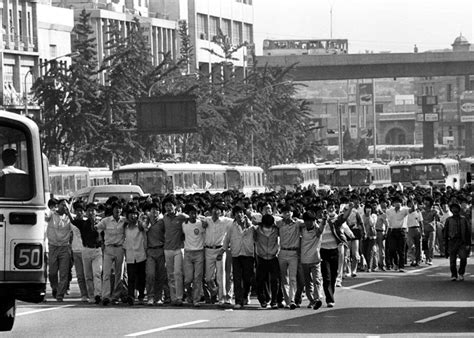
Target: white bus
22, 216
361, 175
65, 180
325, 173
400, 172
292, 176
176, 178
466, 166
246, 179
99, 176
439, 172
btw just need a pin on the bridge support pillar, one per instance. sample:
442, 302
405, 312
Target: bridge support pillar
428, 140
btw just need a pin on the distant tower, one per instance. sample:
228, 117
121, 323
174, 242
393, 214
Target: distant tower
461, 44
415, 49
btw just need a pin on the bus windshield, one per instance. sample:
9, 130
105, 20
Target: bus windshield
354, 177
152, 181
15, 181
285, 177
428, 172
233, 179
325, 176
401, 174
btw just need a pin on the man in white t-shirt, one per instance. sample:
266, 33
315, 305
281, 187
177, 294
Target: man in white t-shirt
193, 262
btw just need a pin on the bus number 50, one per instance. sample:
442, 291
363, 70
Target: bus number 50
28, 256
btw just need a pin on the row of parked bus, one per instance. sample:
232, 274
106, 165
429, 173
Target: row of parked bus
162, 178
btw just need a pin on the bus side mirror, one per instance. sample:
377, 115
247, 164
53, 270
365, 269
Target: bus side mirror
468, 177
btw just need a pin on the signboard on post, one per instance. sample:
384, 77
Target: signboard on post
366, 93
166, 114
467, 106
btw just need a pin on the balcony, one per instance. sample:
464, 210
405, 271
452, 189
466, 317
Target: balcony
20, 43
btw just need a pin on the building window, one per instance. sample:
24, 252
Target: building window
352, 109
226, 27
53, 51
379, 108
29, 28
202, 26
213, 26
8, 74
248, 33
237, 33
20, 25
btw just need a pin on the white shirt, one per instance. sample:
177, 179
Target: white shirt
396, 219
193, 235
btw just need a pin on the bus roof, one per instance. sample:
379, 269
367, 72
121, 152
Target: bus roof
244, 168
437, 161
67, 169
171, 166
293, 166
360, 166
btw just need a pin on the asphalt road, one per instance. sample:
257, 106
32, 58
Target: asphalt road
420, 302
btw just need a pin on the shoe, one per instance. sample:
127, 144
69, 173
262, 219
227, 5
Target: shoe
177, 302
130, 301
354, 275
159, 302
105, 302
115, 302
401, 270
97, 299
318, 303
196, 304
84, 299
151, 301
429, 263
454, 278
461, 278
274, 306
238, 306
281, 305
55, 293
330, 304
91, 301
264, 305
338, 284
59, 299
310, 305
292, 306
141, 301
382, 269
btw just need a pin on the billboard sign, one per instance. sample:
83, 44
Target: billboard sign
467, 106
366, 93
166, 114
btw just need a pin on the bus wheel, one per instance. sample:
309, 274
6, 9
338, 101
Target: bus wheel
7, 313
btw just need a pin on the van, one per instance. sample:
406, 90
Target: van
101, 193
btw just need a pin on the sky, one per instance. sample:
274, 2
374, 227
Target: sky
369, 25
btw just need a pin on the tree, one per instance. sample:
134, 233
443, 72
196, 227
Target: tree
128, 68
362, 149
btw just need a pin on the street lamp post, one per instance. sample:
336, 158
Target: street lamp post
30, 71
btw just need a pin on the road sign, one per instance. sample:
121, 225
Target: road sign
431, 117
420, 117
467, 106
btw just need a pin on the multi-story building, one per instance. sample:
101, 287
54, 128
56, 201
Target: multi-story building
162, 32
205, 17
33, 32
449, 130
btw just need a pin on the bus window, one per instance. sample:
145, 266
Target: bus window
209, 181
220, 181
178, 181
233, 179
15, 182
197, 180
188, 180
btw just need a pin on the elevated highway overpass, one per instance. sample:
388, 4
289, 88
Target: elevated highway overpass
371, 66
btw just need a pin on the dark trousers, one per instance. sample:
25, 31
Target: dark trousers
397, 239
242, 269
268, 275
329, 264
136, 279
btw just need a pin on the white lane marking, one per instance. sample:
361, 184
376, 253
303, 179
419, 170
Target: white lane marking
362, 284
42, 310
421, 269
449, 313
164, 328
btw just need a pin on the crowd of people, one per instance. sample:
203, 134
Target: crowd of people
219, 248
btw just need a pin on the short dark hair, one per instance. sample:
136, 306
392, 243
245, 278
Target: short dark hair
9, 156
309, 216
116, 204
268, 220
91, 205
190, 207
